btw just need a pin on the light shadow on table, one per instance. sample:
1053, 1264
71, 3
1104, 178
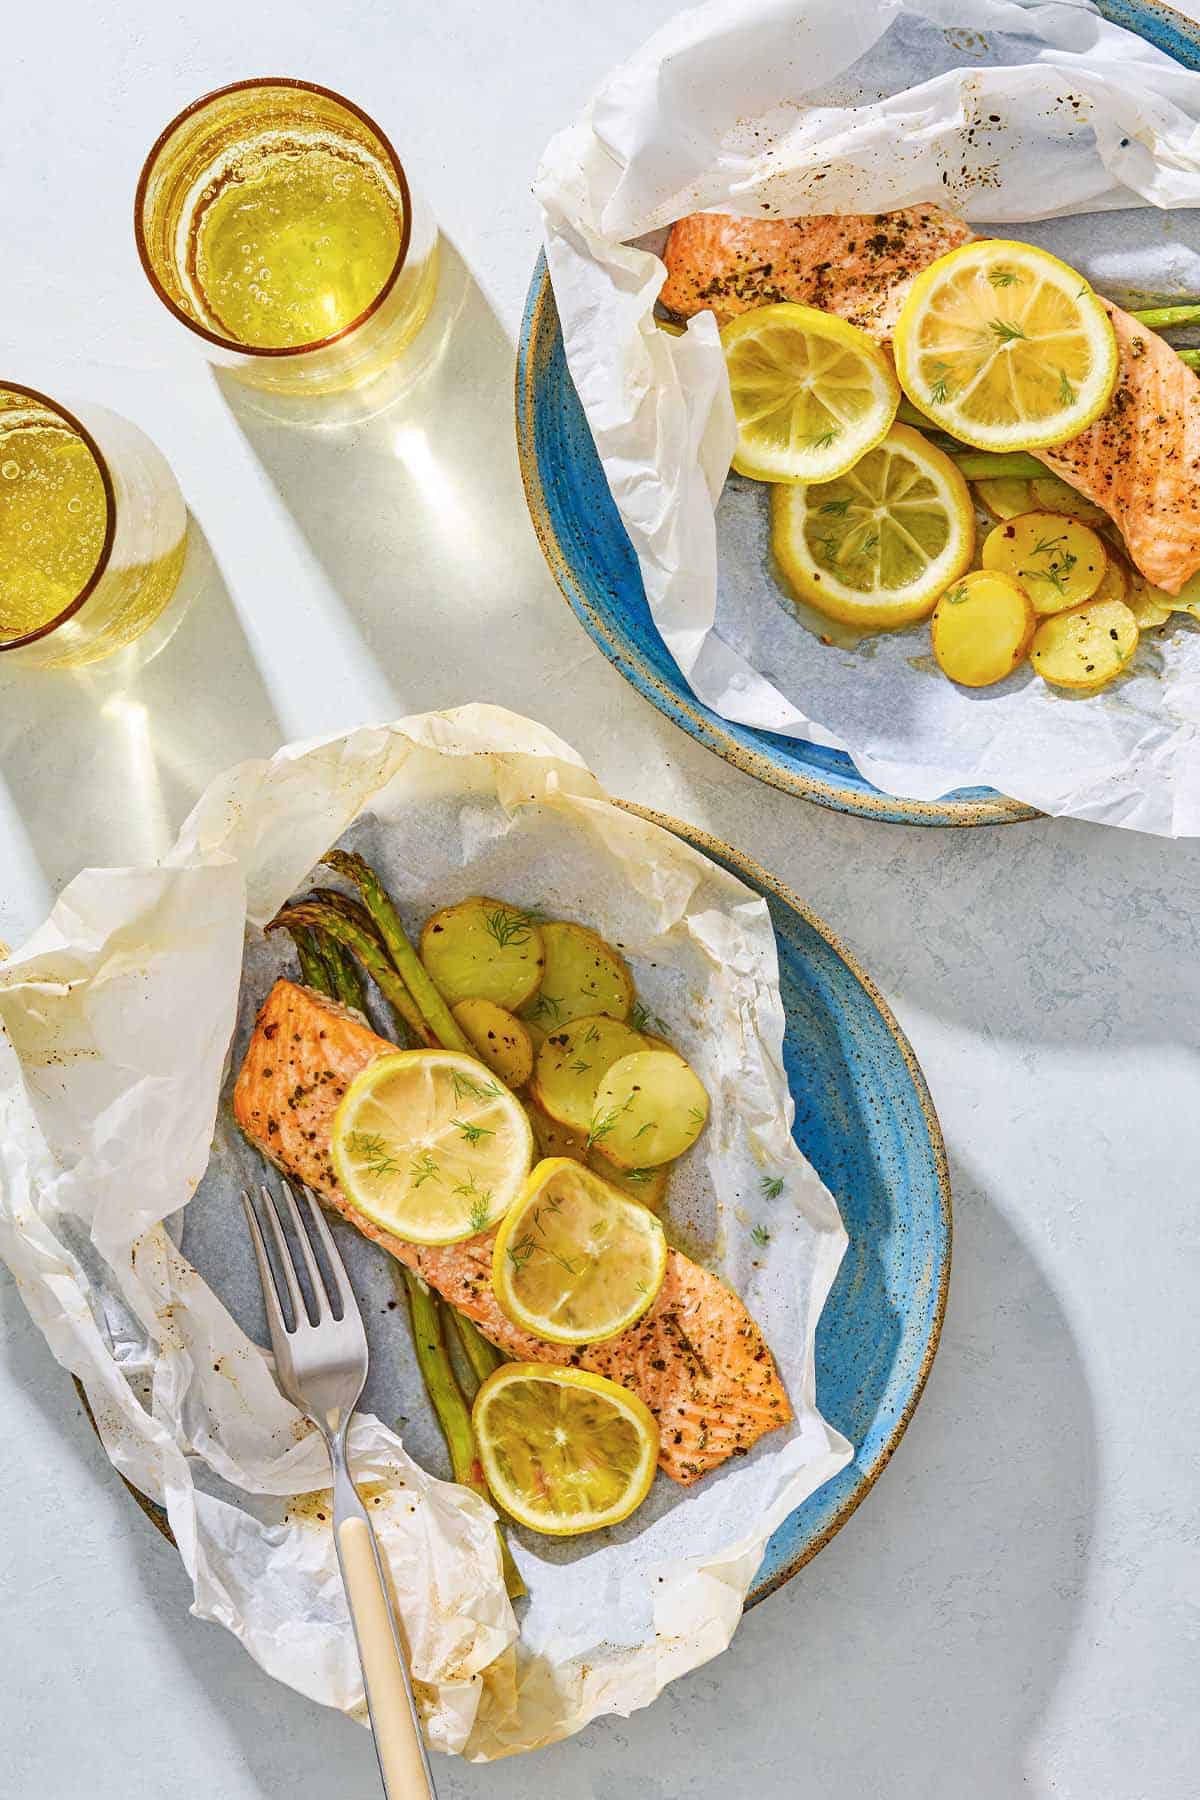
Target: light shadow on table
1027, 932
418, 520
915, 1655
161, 718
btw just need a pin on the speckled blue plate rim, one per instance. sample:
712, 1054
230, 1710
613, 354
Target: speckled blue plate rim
589, 554
882, 1322
872, 1060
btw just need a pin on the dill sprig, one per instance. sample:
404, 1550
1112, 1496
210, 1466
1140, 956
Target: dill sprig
470, 1087
424, 1167
771, 1186
510, 928
377, 1159
472, 1133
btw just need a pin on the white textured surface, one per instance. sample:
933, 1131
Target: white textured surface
1015, 1610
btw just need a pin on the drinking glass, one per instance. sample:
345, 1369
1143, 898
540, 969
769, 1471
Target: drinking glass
274, 220
93, 531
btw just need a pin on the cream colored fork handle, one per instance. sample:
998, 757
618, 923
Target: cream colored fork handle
397, 1734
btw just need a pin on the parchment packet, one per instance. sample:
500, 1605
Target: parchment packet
999, 112
123, 1020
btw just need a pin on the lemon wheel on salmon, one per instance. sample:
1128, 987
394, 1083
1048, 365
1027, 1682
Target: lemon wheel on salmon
878, 545
575, 1260
430, 1146
563, 1450
1005, 347
811, 393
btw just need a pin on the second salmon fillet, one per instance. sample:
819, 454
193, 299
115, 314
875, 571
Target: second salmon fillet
1140, 461
696, 1358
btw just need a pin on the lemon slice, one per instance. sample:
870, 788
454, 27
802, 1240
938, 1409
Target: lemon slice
563, 1450
1005, 347
574, 1260
811, 393
877, 546
430, 1146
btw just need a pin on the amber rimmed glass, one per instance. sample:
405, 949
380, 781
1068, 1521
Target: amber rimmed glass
144, 540
197, 155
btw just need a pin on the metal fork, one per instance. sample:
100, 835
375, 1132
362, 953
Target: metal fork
322, 1367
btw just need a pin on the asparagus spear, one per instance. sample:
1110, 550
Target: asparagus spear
984, 465
348, 984
338, 924
386, 919
314, 967
453, 1413
482, 1357
1159, 318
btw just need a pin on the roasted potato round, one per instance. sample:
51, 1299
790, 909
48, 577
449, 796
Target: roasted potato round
981, 629
1058, 562
1084, 649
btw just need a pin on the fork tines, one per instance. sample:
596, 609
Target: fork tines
322, 1300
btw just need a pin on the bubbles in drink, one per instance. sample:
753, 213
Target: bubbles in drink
299, 244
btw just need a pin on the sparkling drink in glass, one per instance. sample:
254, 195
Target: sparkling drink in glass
274, 220
93, 531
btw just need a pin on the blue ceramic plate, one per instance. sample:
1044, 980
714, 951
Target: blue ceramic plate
593, 562
865, 1121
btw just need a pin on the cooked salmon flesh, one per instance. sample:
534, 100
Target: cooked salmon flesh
696, 1358
1140, 461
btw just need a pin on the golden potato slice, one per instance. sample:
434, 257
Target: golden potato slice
1005, 497
650, 1108
1084, 649
647, 1185
483, 949
553, 1139
981, 629
1056, 496
583, 976
1058, 562
1115, 585
1150, 606
572, 1063
502, 1041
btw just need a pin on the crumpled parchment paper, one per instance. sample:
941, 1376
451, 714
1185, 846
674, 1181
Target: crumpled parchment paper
1000, 112
122, 1021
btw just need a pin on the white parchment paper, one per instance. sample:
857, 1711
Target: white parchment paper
1000, 112
122, 1022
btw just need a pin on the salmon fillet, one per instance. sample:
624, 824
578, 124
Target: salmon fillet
858, 265
1140, 461
696, 1358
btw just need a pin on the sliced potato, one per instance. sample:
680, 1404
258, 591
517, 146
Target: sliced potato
583, 976
1115, 585
572, 1063
1084, 649
483, 949
553, 1139
1058, 562
1150, 606
1056, 496
1005, 497
981, 629
647, 1185
650, 1108
502, 1041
